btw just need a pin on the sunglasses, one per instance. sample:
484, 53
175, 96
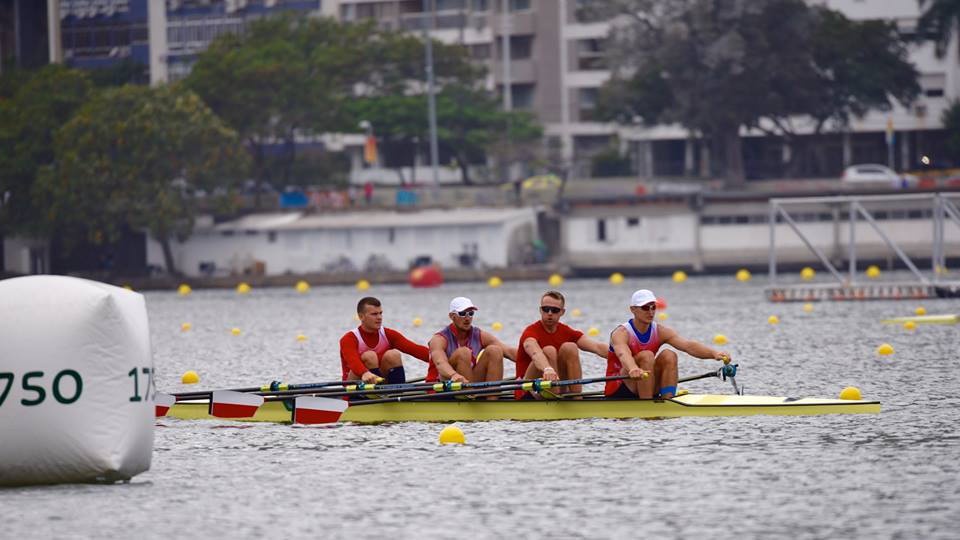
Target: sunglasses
649, 307
550, 309
467, 313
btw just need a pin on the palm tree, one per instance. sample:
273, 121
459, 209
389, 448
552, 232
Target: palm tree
940, 19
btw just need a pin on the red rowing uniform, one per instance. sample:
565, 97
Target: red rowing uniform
648, 341
358, 341
450, 335
562, 334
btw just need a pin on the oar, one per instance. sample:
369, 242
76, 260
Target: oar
277, 387
316, 409
362, 388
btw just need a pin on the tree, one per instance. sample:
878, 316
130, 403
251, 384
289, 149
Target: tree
852, 67
717, 67
33, 105
135, 156
285, 77
940, 20
470, 122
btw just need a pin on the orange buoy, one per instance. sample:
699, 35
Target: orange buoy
426, 276
661, 304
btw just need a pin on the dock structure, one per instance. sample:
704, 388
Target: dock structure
858, 212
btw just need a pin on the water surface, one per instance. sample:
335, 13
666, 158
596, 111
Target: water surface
892, 475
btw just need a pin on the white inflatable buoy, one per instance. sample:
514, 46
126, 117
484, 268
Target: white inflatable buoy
77, 382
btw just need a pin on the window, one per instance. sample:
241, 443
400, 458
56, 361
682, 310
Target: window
480, 51
271, 236
521, 47
480, 5
633, 222
587, 99
521, 96
591, 54
601, 230
450, 4
519, 5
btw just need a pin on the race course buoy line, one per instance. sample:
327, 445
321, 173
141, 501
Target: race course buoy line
76, 387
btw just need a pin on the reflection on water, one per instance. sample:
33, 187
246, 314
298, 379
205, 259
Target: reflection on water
891, 475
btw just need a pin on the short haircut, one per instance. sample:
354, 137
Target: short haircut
367, 301
556, 295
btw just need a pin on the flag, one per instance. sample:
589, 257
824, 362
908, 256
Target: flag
370, 150
318, 410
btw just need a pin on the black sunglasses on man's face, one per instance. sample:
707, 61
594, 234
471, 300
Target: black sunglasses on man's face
467, 313
550, 309
652, 306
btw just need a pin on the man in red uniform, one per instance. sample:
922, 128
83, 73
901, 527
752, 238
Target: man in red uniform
635, 351
461, 352
370, 352
550, 349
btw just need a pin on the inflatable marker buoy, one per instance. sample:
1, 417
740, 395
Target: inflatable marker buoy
80, 397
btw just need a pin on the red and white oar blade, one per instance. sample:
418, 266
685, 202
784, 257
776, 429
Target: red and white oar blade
230, 404
318, 410
163, 403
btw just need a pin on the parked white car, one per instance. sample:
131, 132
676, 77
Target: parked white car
875, 174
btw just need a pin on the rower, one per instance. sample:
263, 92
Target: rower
550, 349
461, 352
371, 352
635, 352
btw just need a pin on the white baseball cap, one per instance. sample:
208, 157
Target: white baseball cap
642, 298
461, 303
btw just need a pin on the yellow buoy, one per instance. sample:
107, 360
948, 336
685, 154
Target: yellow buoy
184, 289
494, 281
497, 326
885, 349
127, 287
302, 286
243, 288
452, 435
920, 311
190, 377
417, 321
850, 392
662, 316
235, 331
616, 278
301, 337
909, 325
873, 271
555, 280
185, 327
743, 275
807, 273
773, 319
363, 285
808, 307
720, 339
593, 331
679, 276
576, 312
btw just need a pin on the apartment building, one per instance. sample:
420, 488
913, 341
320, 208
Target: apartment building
549, 54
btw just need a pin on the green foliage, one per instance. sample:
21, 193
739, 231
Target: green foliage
135, 156
951, 123
716, 67
939, 21
610, 163
33, 105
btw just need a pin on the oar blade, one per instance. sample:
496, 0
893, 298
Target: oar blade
230, 404
163, 403
318, 410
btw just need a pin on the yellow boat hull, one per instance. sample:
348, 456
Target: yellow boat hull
477, 411
925, 319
